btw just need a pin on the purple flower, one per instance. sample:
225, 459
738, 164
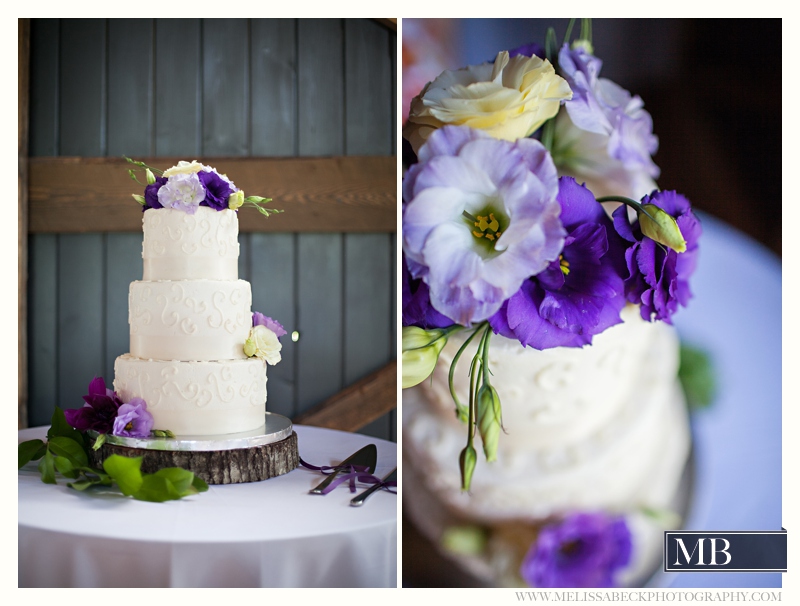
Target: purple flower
580, 294
99, 411
417, 309
658, 277
528, 50
481, 216
151, 194
182, 192
217, 190
606, 135
260, 319
133, 420
584, 550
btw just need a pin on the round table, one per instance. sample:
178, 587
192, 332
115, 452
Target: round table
265, 534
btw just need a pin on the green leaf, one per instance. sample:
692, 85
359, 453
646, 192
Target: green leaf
157, 489
101, 439
96, 476
199, 484
47, 468
181, 479
83, 484
696, 373
70, 449
60, 427
65, 468
126, 472
31, 450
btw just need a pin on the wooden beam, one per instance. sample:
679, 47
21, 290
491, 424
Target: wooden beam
388, 23
357, 405
341, 194
22, 218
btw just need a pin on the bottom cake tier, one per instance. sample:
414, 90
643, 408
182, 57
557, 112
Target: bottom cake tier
196, 398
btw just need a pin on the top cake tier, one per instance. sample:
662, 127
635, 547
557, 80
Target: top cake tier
180, 246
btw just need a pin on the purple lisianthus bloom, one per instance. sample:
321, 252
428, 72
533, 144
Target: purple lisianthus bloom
580, 294
217, 190
606, 135
658, 277
260, 319
480, 216
182, 192
133, 420
151, 194
99, 411
528, 50
417, 309
583, 550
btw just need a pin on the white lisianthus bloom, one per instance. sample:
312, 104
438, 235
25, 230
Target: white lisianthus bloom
508, 99
184, 168
263, 343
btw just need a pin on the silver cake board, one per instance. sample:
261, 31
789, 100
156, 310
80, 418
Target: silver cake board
249, 456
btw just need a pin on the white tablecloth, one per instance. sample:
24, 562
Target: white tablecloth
264, 534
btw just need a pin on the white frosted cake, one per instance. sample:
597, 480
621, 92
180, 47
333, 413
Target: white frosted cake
603, 427
189, 317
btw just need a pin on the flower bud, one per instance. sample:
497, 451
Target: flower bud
139, 199
489, 420
236, 199
151, 178
421, 351
661, 227
467, 462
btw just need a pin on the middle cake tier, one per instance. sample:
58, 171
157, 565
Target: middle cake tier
189, 319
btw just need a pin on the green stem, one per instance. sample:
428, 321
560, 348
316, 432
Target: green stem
550, 44
569, 30
143, 165
472, 389
460, 351
486, 336
586, 30
628, 202
548, 134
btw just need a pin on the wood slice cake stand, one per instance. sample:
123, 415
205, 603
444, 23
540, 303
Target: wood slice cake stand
249, 456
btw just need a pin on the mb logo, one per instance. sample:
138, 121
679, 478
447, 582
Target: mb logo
716, 546
734, 551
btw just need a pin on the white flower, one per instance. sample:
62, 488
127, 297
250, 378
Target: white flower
184, 168
508, 99
263, 343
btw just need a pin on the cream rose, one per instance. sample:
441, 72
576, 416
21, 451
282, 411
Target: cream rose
184, 168
263, 343
508, 99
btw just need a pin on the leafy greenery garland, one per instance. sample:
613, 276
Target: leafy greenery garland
67, 452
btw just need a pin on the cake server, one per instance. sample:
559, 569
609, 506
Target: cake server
359, 500
366, 457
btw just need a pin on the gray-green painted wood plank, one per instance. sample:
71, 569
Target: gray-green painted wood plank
42, 328
130, 87
82, 88
123, 266
81, 342
320, 119
394, 101
178, 82
319, 318
226, 93
368, 88
43, 134
273, 87
367, 292
272, 259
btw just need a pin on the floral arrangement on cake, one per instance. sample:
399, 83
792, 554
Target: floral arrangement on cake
189, 185
531, 212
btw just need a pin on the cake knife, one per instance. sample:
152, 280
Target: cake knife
366, 457
359, 500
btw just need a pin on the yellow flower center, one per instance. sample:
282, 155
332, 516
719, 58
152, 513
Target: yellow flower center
129, 426
564, 264
488, 227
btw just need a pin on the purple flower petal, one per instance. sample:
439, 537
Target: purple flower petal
217, 190
260, 319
